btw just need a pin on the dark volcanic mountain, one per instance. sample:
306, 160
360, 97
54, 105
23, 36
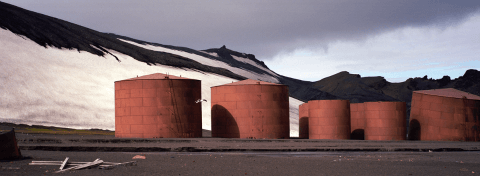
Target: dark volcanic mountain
358, 89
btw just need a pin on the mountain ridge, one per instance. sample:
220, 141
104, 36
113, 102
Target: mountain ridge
53, 32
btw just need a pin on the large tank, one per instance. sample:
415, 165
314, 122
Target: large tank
250, 109
444, 115
303, 121
158, 106
357, 121
385, 120
329, 119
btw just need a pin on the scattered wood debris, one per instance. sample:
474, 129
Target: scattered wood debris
94, 163
81, 165
64, 163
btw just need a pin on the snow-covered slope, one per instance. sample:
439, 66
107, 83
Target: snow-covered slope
213, 63
68, 88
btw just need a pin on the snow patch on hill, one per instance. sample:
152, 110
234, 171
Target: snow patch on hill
208, 61
248, 61
212, 54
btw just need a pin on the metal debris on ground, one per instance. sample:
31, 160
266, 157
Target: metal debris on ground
81, 165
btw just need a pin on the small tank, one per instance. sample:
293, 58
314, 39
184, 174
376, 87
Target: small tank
329, 119
158, 106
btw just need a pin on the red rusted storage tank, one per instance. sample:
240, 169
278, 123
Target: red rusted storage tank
444, 115
8, 145
158, 106
250, 109
357, 121
385, 120
303, 121
329, 119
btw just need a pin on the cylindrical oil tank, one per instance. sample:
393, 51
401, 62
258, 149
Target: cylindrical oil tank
158, 106
385, 120
444, 115
250, 109
357, 121
329, 119
303, 121
8, 144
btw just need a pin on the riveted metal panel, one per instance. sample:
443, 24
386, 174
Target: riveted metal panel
357, 120
158, 106
250, 109
385, 120
329, 119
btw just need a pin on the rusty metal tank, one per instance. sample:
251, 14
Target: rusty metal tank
385, 120
329, 119
250, 109
303, 121
158, 106
8, 144
444, 115
357, 121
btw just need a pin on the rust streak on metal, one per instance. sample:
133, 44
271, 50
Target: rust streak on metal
329, 119
158, 106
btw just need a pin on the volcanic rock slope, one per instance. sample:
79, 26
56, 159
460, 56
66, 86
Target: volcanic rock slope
61, 74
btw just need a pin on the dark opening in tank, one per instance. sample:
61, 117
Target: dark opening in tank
358, 134
415, 130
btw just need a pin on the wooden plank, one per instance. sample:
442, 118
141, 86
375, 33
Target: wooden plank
96, 162
131, 163
63, 164
56, 164
60, 162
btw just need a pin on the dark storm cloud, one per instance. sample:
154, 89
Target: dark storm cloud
263, 28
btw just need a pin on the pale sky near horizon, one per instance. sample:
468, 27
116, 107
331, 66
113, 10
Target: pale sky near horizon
306, 39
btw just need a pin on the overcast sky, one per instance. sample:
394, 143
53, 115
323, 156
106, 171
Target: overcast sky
307, 40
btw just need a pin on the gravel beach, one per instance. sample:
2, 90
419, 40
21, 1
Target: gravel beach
256, 163
225, 156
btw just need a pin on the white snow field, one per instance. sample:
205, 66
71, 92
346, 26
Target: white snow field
248, 61
67, 88
209, 62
